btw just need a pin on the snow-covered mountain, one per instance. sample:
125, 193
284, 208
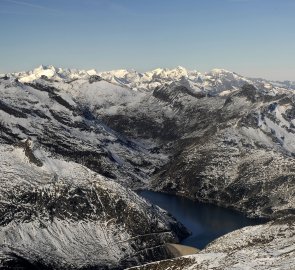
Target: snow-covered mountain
216, 137
217, 81
62, 120
58, 214
51, 72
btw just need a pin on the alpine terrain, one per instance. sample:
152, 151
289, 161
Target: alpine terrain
76, 144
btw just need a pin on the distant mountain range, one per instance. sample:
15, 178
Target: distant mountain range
213, 82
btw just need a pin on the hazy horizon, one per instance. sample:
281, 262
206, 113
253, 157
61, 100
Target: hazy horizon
254, 38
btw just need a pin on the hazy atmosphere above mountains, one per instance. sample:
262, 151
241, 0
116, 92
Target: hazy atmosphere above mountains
251, 37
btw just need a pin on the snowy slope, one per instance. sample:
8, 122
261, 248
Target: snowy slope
63, 121
61, 215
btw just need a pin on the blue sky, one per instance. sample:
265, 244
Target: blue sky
252, 37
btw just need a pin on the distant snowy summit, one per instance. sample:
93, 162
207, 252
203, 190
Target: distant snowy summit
217, 81
51, 72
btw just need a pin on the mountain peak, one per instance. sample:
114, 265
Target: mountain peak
181, 68
220, 71
45, 67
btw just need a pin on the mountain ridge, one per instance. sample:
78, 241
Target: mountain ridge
149, 80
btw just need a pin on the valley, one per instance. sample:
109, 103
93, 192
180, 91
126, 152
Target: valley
75, 145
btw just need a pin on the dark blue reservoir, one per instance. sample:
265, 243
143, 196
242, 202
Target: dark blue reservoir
205, 221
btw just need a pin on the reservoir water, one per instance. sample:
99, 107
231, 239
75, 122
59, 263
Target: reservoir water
205, 221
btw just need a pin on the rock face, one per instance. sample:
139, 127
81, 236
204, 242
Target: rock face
269, 246
73, 142
62, 215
